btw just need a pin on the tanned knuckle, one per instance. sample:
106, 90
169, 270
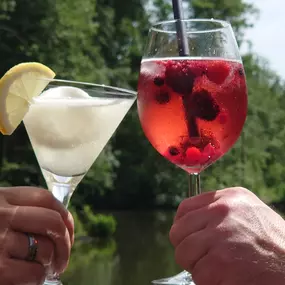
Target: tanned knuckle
42, 195
243, 190
239, 191
221, 208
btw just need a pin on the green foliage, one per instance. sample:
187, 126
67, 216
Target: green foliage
79, 226
97, 225
102, 41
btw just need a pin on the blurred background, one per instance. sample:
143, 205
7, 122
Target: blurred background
125, 205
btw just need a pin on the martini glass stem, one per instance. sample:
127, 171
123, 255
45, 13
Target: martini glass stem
194, 185
63, 193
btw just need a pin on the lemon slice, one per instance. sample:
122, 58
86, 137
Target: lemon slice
17, 88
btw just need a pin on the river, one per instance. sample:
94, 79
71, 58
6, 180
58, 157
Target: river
139, 252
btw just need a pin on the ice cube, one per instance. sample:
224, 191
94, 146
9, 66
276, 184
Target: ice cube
153, 69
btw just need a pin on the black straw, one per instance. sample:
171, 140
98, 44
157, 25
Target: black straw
180, 28
183, 48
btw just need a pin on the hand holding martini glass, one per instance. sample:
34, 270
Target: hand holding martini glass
192, 105
68, 124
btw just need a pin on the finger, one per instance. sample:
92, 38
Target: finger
197, 202
38, 197
20, 272
33, 196
188, 224
193, 248
18, 247
47, 223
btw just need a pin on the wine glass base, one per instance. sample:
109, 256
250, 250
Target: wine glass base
183, 278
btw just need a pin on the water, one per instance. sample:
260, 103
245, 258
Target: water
139, 253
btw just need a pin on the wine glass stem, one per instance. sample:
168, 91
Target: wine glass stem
194, 184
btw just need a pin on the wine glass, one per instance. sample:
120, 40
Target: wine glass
192, 107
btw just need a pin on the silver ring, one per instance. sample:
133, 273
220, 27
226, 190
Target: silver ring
33, 248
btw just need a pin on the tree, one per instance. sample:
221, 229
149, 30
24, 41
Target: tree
61, 35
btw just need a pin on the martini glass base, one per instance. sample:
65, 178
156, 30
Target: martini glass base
52, 282
183, 278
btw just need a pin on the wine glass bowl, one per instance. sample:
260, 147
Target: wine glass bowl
192, 110
192, 105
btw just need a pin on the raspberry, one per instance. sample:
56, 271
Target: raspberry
218, 71
193, 156
198, 69
162, 97
179, 77
241, 72
174, 155
173, 150
202, 105
158, 81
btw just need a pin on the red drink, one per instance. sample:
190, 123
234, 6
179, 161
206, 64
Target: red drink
192, 110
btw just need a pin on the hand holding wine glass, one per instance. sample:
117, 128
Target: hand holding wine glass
229, 237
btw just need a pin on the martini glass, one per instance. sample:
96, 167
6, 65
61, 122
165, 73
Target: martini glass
68, 125
192, 108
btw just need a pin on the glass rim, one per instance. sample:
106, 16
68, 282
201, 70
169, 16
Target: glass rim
224, 25
107, 89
